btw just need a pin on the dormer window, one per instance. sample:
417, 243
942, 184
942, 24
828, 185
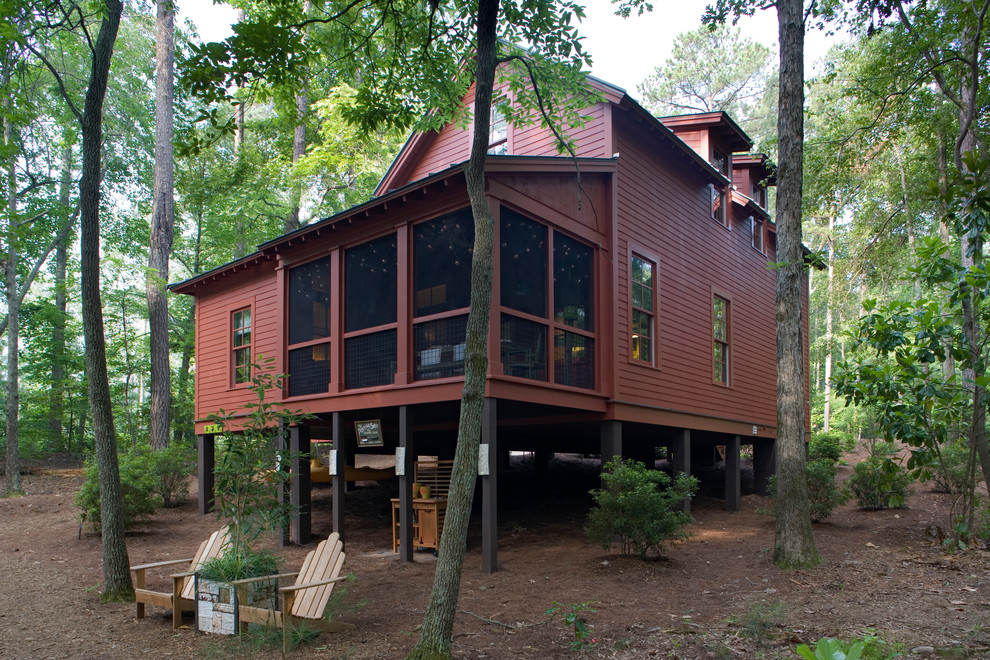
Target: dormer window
759, 195
498, 134
720, 161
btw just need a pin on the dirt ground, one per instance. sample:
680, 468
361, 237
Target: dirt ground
880, 576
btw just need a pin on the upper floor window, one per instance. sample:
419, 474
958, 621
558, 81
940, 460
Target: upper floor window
498, 134
720, 334
642, 294
370, 300
572, 282
718, 204
720, 161
760, 195
241, 340
523, 261
757, 226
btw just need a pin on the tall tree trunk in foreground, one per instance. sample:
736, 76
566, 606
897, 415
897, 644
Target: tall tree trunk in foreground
438, 624
116, 574
12, 479
162, 225
794, 544
298, 148
56, 397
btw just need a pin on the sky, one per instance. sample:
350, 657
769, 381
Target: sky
624, 51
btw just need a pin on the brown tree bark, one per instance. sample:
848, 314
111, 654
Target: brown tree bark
162, 226
116, 574
438, 624
298, 148
56, 397
12, 475
794, 544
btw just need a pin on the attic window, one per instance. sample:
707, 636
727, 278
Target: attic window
720, 162
498, 134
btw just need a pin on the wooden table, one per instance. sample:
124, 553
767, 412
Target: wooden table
428, 515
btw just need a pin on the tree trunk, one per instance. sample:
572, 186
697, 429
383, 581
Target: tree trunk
116, 574
162, 227
829, 322
56, 397
794, 544
438, 624
298, 148
12, 476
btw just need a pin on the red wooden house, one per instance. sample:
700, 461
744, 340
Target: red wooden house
637, 312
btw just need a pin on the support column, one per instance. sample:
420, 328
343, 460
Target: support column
733, 477
763, 463
681, 448
408, 457
206, 459
489, 488
300, 487
340, 452
284, 466
611, 434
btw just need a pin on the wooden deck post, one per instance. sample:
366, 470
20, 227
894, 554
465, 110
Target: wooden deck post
206, 459
405, 484
733, 478
681, 448
340, 451
300, 488
763, 463
489, 488
284, 497
611, 434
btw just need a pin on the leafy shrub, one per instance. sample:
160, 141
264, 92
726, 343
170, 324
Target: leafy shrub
639, 508
879, 483
950, 475
823, 494
832, 649
138, 487
571, 614
827, 445
172, 467
238, 564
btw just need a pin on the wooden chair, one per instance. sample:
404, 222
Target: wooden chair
306, 599
183, 595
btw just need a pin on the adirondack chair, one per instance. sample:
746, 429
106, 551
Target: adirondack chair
306, 599
183, 595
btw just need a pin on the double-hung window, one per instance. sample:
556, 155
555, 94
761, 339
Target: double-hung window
642, 289
241, 341
720, 336
498, 134
309, 328
757, 226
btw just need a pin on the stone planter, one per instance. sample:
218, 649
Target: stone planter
216, 603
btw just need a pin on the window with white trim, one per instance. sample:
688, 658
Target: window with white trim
642, 293
241, 345
720, 335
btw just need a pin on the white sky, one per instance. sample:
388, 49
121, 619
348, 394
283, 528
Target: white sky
624, 51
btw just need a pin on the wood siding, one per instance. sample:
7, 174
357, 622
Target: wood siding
663, 209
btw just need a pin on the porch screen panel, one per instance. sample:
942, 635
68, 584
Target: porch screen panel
370, 360
523, 262
572, 282
309, 301
440, 347
442, 251
524, 348
370, 284
309, 370
573, 359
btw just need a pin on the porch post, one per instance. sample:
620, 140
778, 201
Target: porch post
340, 451
611, 435
300, 487
763, 463
405, 484
282, 444
206, 459
681, 447
489, 488
733, 485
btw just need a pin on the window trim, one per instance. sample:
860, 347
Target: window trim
757, 229
329, 341
232, 350
720, 213
718, 294
635, 252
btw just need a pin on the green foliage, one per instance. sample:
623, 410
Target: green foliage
950, 472
832, 649
247, 481
639, 508
829, 445
823, 493
571, 615
760, 619
879, 482
240, 563
137, 483
172, 466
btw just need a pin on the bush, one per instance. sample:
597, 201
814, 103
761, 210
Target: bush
172, 467
827, 445
823, 494
879, 483
639, 508
950, 475
138, 487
